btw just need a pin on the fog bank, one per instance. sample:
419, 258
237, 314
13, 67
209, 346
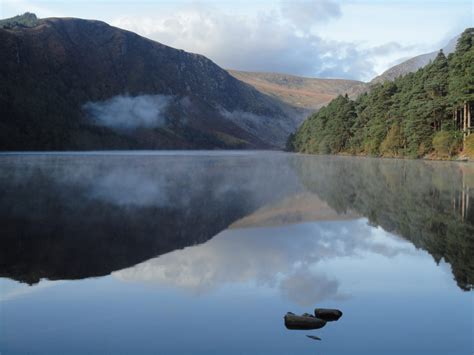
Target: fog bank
124, 112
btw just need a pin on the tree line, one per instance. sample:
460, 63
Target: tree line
415, 115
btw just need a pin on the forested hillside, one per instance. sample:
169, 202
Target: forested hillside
419, 114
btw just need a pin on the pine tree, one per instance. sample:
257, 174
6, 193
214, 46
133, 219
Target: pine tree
410, 116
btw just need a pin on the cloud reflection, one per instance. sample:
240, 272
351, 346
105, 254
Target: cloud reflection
290, 259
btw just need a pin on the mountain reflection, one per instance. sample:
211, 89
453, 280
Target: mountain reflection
77, 216
69, 217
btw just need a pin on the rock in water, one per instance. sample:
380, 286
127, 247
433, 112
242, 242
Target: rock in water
327, 314
293, 321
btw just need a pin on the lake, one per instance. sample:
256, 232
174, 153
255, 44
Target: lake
205, 252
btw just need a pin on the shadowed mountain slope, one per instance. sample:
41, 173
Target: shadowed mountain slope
69, 83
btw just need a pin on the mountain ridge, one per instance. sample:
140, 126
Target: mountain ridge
413, 64
57, 67
304, 92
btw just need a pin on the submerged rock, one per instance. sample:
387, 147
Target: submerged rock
303, 322
327, 314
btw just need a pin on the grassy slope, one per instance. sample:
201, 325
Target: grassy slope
307, 93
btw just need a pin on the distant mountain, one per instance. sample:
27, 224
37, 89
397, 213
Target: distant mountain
307, 93
69, 83
311, 94
413, 64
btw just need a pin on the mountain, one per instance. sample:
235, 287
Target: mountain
69, 83
413, 64
307, 93
311, 94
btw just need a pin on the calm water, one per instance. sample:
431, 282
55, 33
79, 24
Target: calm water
204, 252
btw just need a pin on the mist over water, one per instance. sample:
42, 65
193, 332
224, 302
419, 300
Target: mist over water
169, 252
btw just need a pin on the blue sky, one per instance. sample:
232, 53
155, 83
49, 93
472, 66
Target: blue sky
316, 38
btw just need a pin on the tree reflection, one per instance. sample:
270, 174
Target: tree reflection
427, 203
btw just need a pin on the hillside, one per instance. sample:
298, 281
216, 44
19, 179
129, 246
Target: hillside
80, 84
307, 93
422, 114
413, 64
311, 94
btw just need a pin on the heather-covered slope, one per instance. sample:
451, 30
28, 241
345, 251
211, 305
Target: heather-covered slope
307, 93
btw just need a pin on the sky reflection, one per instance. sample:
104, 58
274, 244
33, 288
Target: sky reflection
287, 258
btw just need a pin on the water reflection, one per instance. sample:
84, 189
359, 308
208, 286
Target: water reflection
67, 217
285, 258
425, 202
76, 216
233, 241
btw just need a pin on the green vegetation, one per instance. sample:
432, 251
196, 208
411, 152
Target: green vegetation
446, 143
469, 146
26, 20
411, 116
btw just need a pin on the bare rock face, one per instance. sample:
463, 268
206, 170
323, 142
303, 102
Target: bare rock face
51, 69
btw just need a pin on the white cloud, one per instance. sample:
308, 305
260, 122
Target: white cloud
305, 13
124, 112
278, 40
325, 38
320, 38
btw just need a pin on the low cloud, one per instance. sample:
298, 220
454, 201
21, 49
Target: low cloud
125, 112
